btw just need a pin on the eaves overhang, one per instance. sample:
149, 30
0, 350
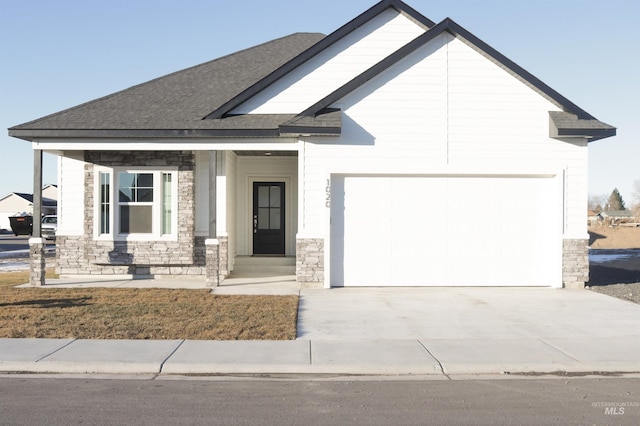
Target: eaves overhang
563, 125
325, 123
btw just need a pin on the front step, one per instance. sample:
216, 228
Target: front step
264, 265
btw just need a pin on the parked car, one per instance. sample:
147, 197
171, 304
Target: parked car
49, 227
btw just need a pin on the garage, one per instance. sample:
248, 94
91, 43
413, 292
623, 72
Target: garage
498, 230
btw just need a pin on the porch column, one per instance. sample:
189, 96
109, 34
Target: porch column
212, 245
37, 261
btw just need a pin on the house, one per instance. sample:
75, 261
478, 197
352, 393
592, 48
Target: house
331, 149
18, 203
50, 191
616, 216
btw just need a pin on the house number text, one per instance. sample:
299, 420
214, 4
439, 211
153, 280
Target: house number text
328, 194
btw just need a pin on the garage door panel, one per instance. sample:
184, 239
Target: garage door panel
415, 217
439, 231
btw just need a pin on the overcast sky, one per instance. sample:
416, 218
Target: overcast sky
58, 54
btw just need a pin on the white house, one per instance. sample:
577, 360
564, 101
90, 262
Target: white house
18, 203
333, 149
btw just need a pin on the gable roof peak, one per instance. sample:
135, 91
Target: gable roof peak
398, 5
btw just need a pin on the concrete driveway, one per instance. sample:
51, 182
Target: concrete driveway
464, 313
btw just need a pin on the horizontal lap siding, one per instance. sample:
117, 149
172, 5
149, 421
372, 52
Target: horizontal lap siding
335, 66
71, 214
396, 123
444, 107
496, 119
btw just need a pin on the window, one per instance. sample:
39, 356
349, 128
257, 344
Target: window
143, 206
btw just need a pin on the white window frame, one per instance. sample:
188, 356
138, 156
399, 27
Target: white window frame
157, 205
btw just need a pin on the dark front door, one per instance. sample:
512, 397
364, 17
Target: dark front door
268, 218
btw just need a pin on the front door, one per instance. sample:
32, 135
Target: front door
268, 218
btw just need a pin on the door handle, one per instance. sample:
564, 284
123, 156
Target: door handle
255, 223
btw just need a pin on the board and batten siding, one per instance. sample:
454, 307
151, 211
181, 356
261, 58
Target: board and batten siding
445, 110
335, 66
71, 214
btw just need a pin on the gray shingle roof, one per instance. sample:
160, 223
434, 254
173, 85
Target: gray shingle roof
565, 124
194, 102
177, 102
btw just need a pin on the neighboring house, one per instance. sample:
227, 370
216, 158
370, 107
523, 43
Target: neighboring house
593, 216
18, 203
615, 216
333, 149
50, 191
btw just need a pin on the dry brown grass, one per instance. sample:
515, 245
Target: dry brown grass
121, 313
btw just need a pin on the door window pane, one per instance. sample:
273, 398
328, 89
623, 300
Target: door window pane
274, 219
263, 218
274, 200
263, 196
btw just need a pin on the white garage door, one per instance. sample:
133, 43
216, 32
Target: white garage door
445, 231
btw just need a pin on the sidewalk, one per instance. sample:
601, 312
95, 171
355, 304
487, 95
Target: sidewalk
438, 332
364, 357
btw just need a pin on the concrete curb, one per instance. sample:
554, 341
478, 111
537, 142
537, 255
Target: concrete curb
366, 357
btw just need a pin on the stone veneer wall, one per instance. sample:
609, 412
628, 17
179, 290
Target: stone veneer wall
223, 254
310, 262
84, 255
575, 263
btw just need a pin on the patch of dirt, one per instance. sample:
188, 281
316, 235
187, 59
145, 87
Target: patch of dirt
602, 236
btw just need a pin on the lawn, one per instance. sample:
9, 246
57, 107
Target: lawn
121, 313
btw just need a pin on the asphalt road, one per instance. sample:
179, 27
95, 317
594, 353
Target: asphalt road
64, 401
9, 242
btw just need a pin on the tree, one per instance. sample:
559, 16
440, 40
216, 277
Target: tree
596, 202
636, 191
615, 201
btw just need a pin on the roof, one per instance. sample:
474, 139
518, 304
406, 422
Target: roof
617, 213
195, 102
29, 198
566, 124
175, 105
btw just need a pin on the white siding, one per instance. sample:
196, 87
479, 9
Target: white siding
202, 193
335, 66
71, 202
445, 109
231, 205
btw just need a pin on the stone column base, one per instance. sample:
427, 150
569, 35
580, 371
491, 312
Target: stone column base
310, 262
212, 247
575, 263
37, 261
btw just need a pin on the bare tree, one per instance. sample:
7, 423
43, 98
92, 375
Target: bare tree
596, 202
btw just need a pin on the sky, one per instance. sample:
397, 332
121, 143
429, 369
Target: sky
58, 54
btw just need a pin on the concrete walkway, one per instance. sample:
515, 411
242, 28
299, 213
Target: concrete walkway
403, 331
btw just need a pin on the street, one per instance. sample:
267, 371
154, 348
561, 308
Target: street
9, 242
359, 401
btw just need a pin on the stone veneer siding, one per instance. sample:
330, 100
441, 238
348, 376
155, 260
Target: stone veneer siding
310, 262
37, 261
85, 255
575, 263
